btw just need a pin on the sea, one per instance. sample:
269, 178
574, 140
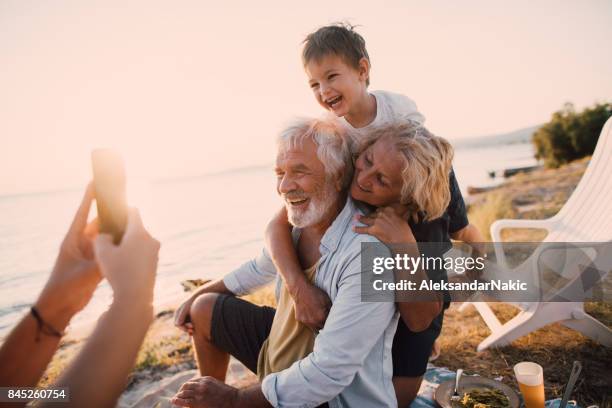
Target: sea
208, 225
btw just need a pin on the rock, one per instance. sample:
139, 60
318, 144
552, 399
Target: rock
191, 284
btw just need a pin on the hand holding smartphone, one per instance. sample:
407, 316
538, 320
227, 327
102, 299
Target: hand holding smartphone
110, 192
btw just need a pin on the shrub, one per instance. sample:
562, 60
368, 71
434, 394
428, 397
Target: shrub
496, 205
570, 135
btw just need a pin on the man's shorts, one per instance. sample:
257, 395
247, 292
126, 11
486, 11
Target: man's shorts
240, 328
411, 350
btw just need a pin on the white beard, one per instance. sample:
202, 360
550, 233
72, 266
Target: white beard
317, 207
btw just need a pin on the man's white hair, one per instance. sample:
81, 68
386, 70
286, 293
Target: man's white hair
332, 145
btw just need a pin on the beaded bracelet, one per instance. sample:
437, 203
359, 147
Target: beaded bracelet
44, 327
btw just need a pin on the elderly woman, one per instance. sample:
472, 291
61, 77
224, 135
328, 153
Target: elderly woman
403, 176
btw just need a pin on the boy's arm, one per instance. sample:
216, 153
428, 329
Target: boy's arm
460, 228
311, 303
472, 236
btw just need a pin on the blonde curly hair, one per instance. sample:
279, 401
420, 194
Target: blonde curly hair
425, 175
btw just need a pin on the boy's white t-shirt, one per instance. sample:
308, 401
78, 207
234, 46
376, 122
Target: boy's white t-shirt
389, 106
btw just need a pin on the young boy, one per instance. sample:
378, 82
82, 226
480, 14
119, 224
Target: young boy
338, 68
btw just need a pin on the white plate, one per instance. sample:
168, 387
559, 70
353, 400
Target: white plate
468, 383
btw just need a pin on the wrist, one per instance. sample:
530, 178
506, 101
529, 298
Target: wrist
130, 309
297, 285
239, 398
252, 396
134, 300
403, 237
57, 306
55, 312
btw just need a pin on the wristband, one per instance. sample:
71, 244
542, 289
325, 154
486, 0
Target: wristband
44, 327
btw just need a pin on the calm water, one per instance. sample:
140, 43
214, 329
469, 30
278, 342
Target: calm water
207, 225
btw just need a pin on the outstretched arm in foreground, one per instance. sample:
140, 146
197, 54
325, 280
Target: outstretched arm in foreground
28, 349
99, 373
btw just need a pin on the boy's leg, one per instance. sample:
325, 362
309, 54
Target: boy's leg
411, 351
406, 389
225, 325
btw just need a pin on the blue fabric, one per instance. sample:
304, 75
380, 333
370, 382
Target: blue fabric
433, 377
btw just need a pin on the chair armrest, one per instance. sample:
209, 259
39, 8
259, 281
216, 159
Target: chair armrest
499, 225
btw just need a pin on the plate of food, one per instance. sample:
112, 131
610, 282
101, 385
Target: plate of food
477, 392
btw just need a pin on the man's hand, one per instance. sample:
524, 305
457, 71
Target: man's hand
311, 305
206, 392
182, 319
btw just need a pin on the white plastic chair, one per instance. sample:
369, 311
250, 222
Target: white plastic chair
585, 217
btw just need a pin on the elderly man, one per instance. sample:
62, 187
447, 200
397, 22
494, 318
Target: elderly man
349, 364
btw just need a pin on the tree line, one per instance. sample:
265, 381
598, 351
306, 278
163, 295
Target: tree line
570, 135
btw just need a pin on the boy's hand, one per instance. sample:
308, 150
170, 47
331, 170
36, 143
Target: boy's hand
311, 306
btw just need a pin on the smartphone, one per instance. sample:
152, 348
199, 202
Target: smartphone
110, 192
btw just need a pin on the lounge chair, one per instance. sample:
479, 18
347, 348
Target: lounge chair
585, 217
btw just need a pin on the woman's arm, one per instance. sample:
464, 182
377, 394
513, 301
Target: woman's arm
26, 352
99, 373
311, 303
28, 349
392, 229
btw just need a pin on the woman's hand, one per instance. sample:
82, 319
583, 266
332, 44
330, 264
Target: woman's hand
75, 275
130, 267
386, 225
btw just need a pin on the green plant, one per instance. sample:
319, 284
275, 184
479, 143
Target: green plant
570, 135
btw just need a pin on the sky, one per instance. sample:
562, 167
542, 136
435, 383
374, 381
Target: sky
193, 87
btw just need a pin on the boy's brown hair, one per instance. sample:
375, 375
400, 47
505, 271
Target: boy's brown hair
337, 39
